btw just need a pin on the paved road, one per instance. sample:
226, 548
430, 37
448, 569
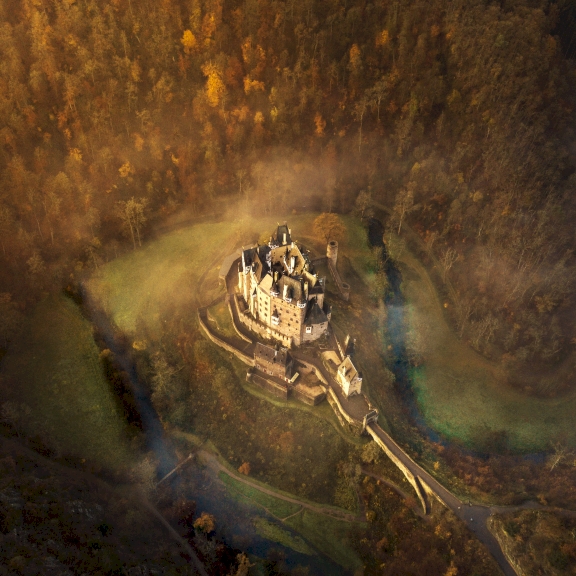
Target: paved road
474, 517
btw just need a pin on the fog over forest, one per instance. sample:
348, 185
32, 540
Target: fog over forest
448, 123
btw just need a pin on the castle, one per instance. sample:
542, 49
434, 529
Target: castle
282, 291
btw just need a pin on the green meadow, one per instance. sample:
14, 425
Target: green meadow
463, 395
141, 289
328, 535
53, 372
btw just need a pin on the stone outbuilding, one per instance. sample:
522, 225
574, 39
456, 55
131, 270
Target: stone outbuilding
274, 362
349, 378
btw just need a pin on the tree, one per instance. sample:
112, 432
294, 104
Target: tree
6, 221
132, 215
364, 203
215, 87
403, 206
189, 41
447, 260
206, 523
359, 111
245, 468
243, 565
329, 227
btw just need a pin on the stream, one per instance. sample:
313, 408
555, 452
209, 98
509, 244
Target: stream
398, 363
234, 514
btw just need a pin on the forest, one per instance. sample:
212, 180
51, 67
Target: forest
450, 121
456, 116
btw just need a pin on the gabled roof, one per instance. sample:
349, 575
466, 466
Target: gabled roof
270, 354
350, 371
266, 283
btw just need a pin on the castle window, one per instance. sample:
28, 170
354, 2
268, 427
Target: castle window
308, 329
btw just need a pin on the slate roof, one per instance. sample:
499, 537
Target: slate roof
280, 231
270, 354
294, 288
315, 315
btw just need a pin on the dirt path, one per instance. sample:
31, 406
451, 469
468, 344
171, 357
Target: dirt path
212, 462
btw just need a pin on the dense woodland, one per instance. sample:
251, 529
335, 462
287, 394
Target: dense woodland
450, 120
456, 116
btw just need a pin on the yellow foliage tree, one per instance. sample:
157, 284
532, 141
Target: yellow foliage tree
252, 85
206, 523
189, 41
215, 88
383, 38
126, 169
355, 60
320, 124
328, 226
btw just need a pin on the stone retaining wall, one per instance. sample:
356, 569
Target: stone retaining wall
268, 385
238, 331
219, 342
307, 395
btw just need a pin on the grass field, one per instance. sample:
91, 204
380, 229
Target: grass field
276, 506
330, 536
222, 320
464, 396
55, 370
326, 534
140, 289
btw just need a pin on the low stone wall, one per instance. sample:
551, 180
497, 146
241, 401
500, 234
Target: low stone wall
335, 401
219, 342
238, 331
270, 386
343, 287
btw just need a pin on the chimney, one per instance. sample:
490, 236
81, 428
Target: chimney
284, 239
306, 289
285, 291
292, 263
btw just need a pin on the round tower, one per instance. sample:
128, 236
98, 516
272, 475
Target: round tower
332, 251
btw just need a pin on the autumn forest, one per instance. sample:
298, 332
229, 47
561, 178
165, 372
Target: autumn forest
457, 116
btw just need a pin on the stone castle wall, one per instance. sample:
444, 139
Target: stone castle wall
265, 331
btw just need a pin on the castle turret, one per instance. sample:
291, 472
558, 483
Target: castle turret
332, 251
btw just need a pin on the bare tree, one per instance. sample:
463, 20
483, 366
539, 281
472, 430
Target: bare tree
404, 205
447, 260
430, 239
6, 221
364, 203
560, 451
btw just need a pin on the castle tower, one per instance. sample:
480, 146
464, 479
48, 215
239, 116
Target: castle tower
332, 251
